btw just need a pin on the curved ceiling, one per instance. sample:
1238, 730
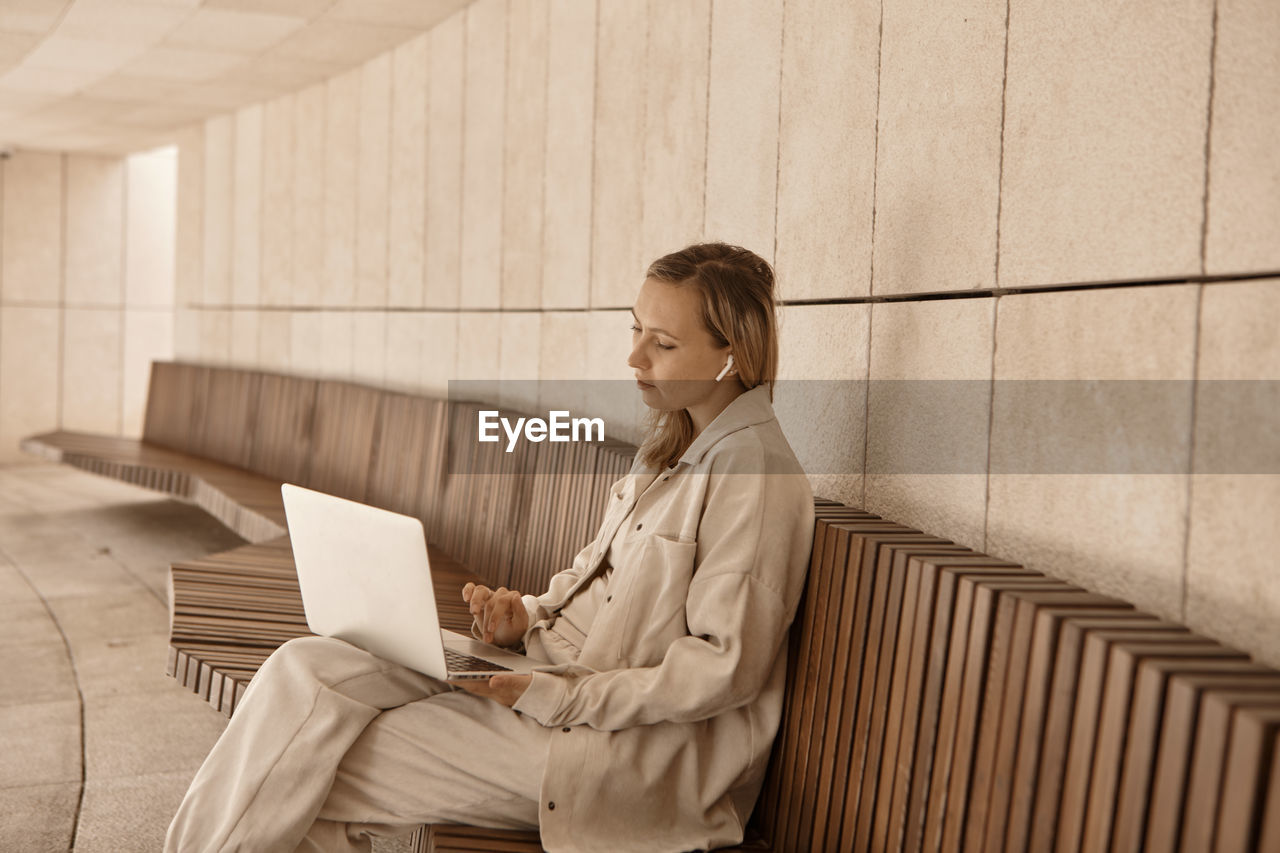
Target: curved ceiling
116, 76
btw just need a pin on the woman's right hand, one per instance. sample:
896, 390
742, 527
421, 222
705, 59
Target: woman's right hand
499, 614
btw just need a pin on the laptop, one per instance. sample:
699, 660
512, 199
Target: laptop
366, 579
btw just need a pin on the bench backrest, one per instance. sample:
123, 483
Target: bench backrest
515, 518
942, 699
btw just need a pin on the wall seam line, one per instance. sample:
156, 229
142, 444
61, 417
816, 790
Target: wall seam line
1004, 111
995, 273
262, 207
462, 190
1208, 140
644, 132
546, 152
386, 257
988, 292
1191, 455
985, 293
323, 145
866, 407
63, 168
871, 260
591, 181
777, 159
233, 169
875, 158
428, 85
1195, 342
991, 420
506, 173
357, 203
385, 282
706, 116
124, 293
502, 161
5, 177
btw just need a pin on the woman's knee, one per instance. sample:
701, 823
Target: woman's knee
316, 656
308, 649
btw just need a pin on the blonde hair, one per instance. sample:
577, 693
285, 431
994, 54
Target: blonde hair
738, 309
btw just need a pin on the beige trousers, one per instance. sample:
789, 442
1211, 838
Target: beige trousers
332, 745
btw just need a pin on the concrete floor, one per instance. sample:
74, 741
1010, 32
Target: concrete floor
97, 744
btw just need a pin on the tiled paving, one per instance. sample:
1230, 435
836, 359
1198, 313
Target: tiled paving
97, 744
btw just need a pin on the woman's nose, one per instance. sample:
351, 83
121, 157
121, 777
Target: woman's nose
636, 359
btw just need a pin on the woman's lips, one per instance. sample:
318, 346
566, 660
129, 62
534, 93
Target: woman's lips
643, 386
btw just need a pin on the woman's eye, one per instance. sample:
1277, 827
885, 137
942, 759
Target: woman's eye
637, 330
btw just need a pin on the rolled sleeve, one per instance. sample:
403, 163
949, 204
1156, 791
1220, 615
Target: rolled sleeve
543, 697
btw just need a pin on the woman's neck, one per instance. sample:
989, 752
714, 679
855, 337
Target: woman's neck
705, 412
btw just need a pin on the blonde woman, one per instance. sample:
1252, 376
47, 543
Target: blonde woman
651, 727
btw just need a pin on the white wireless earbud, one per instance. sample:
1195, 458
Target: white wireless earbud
728, 367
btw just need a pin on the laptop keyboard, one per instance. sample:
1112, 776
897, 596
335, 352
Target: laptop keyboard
458, 662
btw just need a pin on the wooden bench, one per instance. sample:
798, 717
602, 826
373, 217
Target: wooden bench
937, 698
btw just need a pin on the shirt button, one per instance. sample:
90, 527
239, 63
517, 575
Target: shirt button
566, 729
608, 598
638, 526
551, 807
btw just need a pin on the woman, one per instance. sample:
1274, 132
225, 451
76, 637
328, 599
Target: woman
651, 726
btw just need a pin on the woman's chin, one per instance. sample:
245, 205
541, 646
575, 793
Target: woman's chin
653, 398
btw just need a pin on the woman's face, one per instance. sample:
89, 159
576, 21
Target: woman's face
674, 356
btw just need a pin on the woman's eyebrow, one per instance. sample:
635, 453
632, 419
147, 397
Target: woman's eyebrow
659, 331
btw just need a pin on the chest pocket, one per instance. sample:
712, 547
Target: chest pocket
654, 591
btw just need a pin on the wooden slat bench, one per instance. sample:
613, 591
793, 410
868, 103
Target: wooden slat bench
937, 698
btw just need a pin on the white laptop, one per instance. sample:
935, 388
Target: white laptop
365, 579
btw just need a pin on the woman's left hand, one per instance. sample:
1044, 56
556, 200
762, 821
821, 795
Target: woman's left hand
505, 689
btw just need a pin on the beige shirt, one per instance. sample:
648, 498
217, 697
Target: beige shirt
669, 711
560, 640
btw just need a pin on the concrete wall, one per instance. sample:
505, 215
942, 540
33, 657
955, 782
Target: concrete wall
86, 290
481, 203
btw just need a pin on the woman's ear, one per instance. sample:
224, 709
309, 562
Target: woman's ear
727, 369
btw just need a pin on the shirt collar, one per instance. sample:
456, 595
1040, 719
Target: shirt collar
747, 409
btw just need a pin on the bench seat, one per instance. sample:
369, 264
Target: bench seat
247, 503
231, 610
